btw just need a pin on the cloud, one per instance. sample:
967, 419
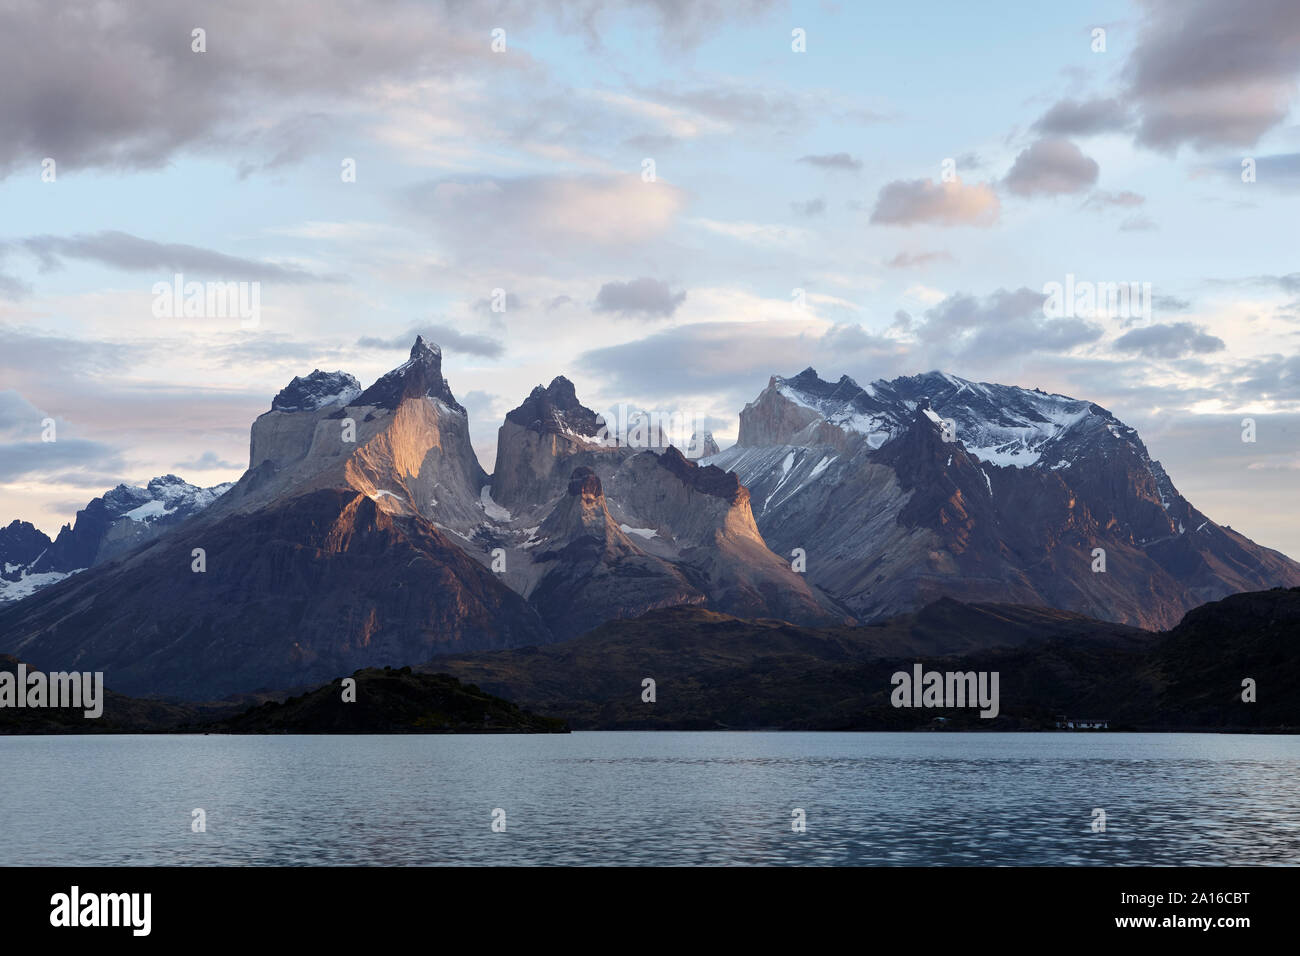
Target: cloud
24, 452
509, 300
644, 297
1169, 341
836, 161
1083, 118
909, 202
813, 207
445, 336
1051, 167
121, 250
1278, 169
967, 328
914, 260
209, 461
24, 350
116, 85
709, 358
1269, 378
12, 287
1209, 73
735, 105
1101, 199
754, 233
1170, 303
1138, 224
540, 216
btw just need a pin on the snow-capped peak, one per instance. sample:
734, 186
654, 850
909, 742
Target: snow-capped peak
317, 390
999, 424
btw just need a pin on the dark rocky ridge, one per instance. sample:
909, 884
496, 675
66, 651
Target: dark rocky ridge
419, 377
310, 392
706, 479
554, 409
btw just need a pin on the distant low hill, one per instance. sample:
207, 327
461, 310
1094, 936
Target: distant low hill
716, 672
391, 702
386, 701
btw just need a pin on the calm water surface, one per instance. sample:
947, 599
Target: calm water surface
652, 798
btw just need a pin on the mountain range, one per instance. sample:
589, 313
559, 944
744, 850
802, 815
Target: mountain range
926, 486
365, 532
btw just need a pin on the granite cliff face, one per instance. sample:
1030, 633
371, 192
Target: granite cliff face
684, 532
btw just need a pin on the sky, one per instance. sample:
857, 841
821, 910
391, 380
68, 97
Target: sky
667, 202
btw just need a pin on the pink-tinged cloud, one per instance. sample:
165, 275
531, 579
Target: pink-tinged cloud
922, 201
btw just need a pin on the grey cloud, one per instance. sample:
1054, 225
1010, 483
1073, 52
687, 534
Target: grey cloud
23, 453
838, 161
1170, 303
1101, 199
735, 359
115, 84
1169, 341
1213, 72
1050, 167
644, 297
12, 287
121, 250
810, 208
967, 328
737, 105
910, 202
1278, 169
1287, 283
25, 350
444, 336
1270, 378
1083, 118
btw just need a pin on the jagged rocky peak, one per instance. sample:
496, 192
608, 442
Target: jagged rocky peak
420, 376
998, 424
701, 445
161, 496
543, 440
556, 410
21, 543
307, 393
706, 479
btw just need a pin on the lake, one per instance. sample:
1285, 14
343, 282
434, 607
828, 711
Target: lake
668, 798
